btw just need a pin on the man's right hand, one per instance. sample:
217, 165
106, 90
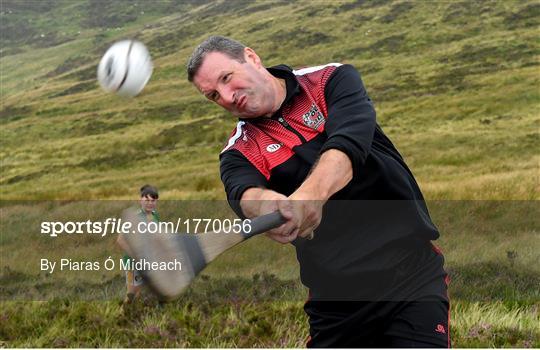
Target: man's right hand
258, 201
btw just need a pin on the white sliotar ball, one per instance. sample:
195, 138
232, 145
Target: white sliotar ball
125, 68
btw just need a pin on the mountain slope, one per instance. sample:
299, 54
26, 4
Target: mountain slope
455, 87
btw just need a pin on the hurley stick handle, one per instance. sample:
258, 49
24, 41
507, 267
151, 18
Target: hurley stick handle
264, 223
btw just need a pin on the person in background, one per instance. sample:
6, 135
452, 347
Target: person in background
148, 199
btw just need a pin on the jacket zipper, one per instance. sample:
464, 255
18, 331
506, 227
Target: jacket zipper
288, 126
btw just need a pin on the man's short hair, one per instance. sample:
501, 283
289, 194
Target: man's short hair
148, 190
215, 43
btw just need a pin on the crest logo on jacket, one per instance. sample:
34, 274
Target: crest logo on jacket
313, 118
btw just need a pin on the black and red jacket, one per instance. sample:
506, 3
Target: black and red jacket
327, 107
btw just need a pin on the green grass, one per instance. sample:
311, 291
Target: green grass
251, 295
455, 86
478, 60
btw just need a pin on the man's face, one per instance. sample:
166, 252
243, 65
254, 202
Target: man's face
241, 88
148, 204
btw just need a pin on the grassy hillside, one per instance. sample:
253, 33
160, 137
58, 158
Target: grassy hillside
455, 86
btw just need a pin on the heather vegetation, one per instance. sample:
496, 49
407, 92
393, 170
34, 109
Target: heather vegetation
455, 85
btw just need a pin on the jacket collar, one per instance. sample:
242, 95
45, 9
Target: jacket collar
285, 72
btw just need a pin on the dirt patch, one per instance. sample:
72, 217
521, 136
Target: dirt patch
397, 11
361, 4
11, 113
392, 44
527, 16
77, 88
301, 37
263, 7
70, 64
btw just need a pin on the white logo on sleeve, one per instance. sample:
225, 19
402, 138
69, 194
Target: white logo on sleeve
273, 147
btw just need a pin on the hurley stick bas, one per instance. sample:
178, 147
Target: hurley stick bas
193, 251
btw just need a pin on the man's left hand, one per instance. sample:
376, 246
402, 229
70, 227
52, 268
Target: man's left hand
332, 172
307, 212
